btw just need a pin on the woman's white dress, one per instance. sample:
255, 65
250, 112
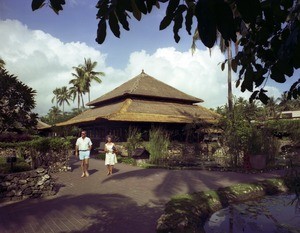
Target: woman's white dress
110, 157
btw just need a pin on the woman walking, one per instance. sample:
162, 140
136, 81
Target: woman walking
110, 156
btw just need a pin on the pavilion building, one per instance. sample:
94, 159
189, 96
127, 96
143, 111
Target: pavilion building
142, 102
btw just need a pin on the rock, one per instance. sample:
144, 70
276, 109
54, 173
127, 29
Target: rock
22, 181
12, 187
5, 184
40, 170
11, 193
40, 182
9, 177
27, 191
19, 193
46, 177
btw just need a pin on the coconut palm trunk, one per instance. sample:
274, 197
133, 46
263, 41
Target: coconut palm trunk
229, 79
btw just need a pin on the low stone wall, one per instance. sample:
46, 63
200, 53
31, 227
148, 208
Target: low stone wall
29, 184
55, 161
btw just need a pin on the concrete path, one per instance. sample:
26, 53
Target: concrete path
131, 200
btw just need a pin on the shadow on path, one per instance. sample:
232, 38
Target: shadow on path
86, 213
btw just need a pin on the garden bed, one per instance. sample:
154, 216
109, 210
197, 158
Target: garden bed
188, 213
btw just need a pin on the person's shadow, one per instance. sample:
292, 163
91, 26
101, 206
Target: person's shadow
92, 171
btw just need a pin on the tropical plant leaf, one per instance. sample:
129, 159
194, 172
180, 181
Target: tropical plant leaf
234, 65
101, 32
225, 21
114, 24
276, 74
165, 22
207, 27
178, 20
223, 66
150, 4
263, 97
249, 9
189, 20
122, 16
172, 6
136, 12
36, 4
248, 79
56, 5
253, 96
141, 6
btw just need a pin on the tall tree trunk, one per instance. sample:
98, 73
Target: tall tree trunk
78, 101
229, 82
89, 95
82, 101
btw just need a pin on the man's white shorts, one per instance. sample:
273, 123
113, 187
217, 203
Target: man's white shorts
84, 154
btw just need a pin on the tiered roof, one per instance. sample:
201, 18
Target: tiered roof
145, 99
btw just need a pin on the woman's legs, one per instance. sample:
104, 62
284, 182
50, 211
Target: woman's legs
108, 169
111, 169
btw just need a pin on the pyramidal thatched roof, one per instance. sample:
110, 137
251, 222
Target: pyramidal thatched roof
133, 110
145, 86
144, 99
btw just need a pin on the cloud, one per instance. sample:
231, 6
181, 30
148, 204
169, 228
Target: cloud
199, 75
44, 63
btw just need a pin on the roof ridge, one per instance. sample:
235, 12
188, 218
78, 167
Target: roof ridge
137, 82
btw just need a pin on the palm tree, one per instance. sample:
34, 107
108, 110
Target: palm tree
271, 107
284, 102
53, 114
90, 74
79, 87
64, 96
223, 49
56, 94
2, 63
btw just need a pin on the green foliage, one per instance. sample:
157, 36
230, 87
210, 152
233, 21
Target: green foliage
19, 166
55, 115
262, 141
242, 135
285, 127
14, 137
42, 144
16, 104
37, 148
101, 156
134, 140
159, 141
126, 160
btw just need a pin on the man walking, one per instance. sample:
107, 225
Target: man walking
82, 149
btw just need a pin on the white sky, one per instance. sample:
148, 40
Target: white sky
38, 48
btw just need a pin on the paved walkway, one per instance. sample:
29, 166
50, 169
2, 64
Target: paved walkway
129, 201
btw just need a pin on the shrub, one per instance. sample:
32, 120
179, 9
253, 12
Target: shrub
19, 166
159, 141
37, 151
134, 140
